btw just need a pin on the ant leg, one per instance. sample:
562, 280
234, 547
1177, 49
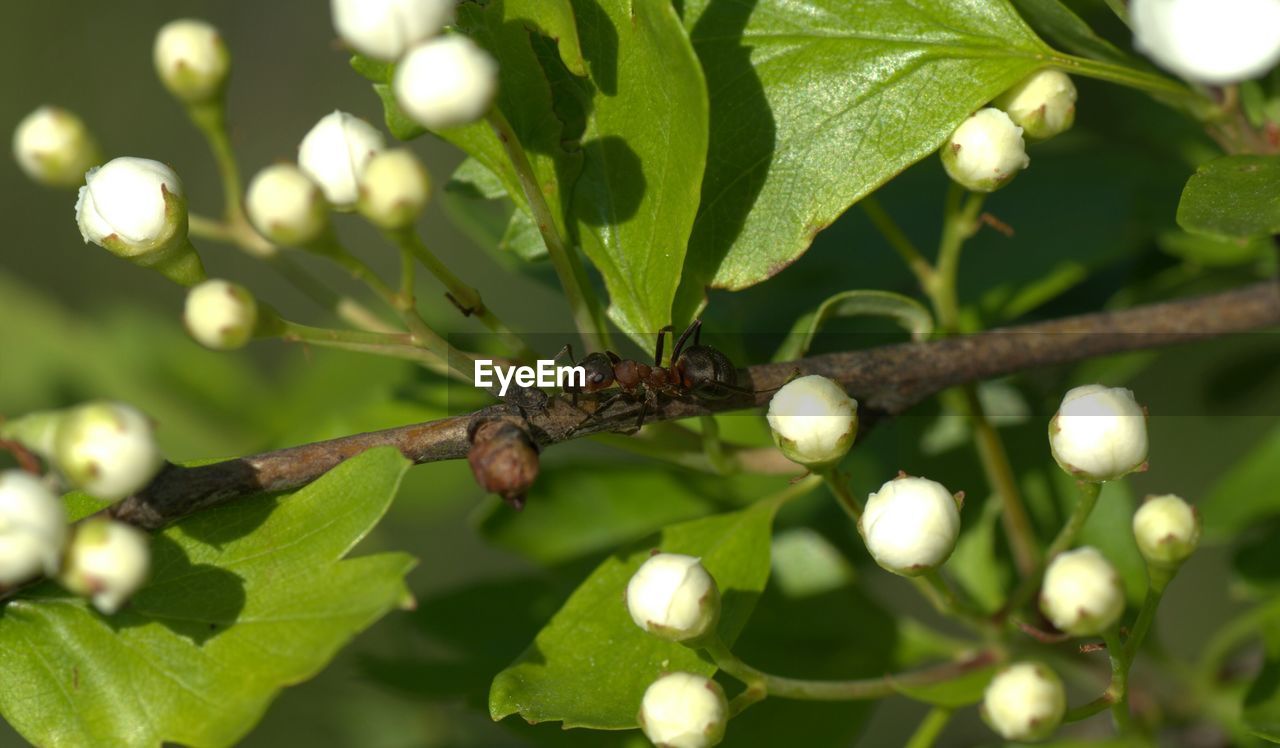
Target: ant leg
595, 415
566, 351
657, 353
694, 329
644, 410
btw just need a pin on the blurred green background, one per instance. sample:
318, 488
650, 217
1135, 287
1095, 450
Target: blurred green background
1093, 218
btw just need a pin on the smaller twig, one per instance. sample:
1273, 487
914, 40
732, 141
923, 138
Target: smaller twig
841, 690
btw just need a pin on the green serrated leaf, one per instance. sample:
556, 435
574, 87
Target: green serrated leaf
559, 677
1233, 196
243, 600
908, 313
1059, 24
818, 102
644, 149
1247, 493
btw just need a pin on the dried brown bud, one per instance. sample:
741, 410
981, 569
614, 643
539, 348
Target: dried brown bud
504, 459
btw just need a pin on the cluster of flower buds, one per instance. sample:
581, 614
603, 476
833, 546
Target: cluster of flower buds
107, 450
674, 597
441, 80
988, 149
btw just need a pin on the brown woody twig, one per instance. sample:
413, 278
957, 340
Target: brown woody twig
886, 381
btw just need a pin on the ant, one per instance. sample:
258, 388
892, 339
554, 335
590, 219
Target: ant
697, 371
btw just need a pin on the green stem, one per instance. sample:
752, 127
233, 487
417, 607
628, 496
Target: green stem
840, 690
1158, 578
464, 297
211, 119
1118, 691
999, 472
1085, 711
1065, 539
1230, 637
343, 307
1172, 91
714, 449
930, 728
587, 312
960, 221
423, 335
394, 345
898, 239
839, 485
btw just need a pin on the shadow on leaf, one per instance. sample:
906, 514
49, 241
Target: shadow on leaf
196, 601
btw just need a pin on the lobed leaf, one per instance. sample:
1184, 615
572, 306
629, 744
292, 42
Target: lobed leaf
243, 600
644, 152
816, 103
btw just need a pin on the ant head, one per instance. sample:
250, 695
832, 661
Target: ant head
706, 372
599, 372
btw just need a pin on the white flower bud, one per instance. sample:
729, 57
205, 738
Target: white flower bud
673, 597
1215, 42
386, 29
394, 189
985, 151
1043, 104
1167, 529
54, 147
335, 152
287, 206
682, 710
191, 60
1099, 433
1024, 702
813, 421
1082, 594
132, 207
220, 315
108, 561
910, 525
33, 528
107, 449
446, 82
